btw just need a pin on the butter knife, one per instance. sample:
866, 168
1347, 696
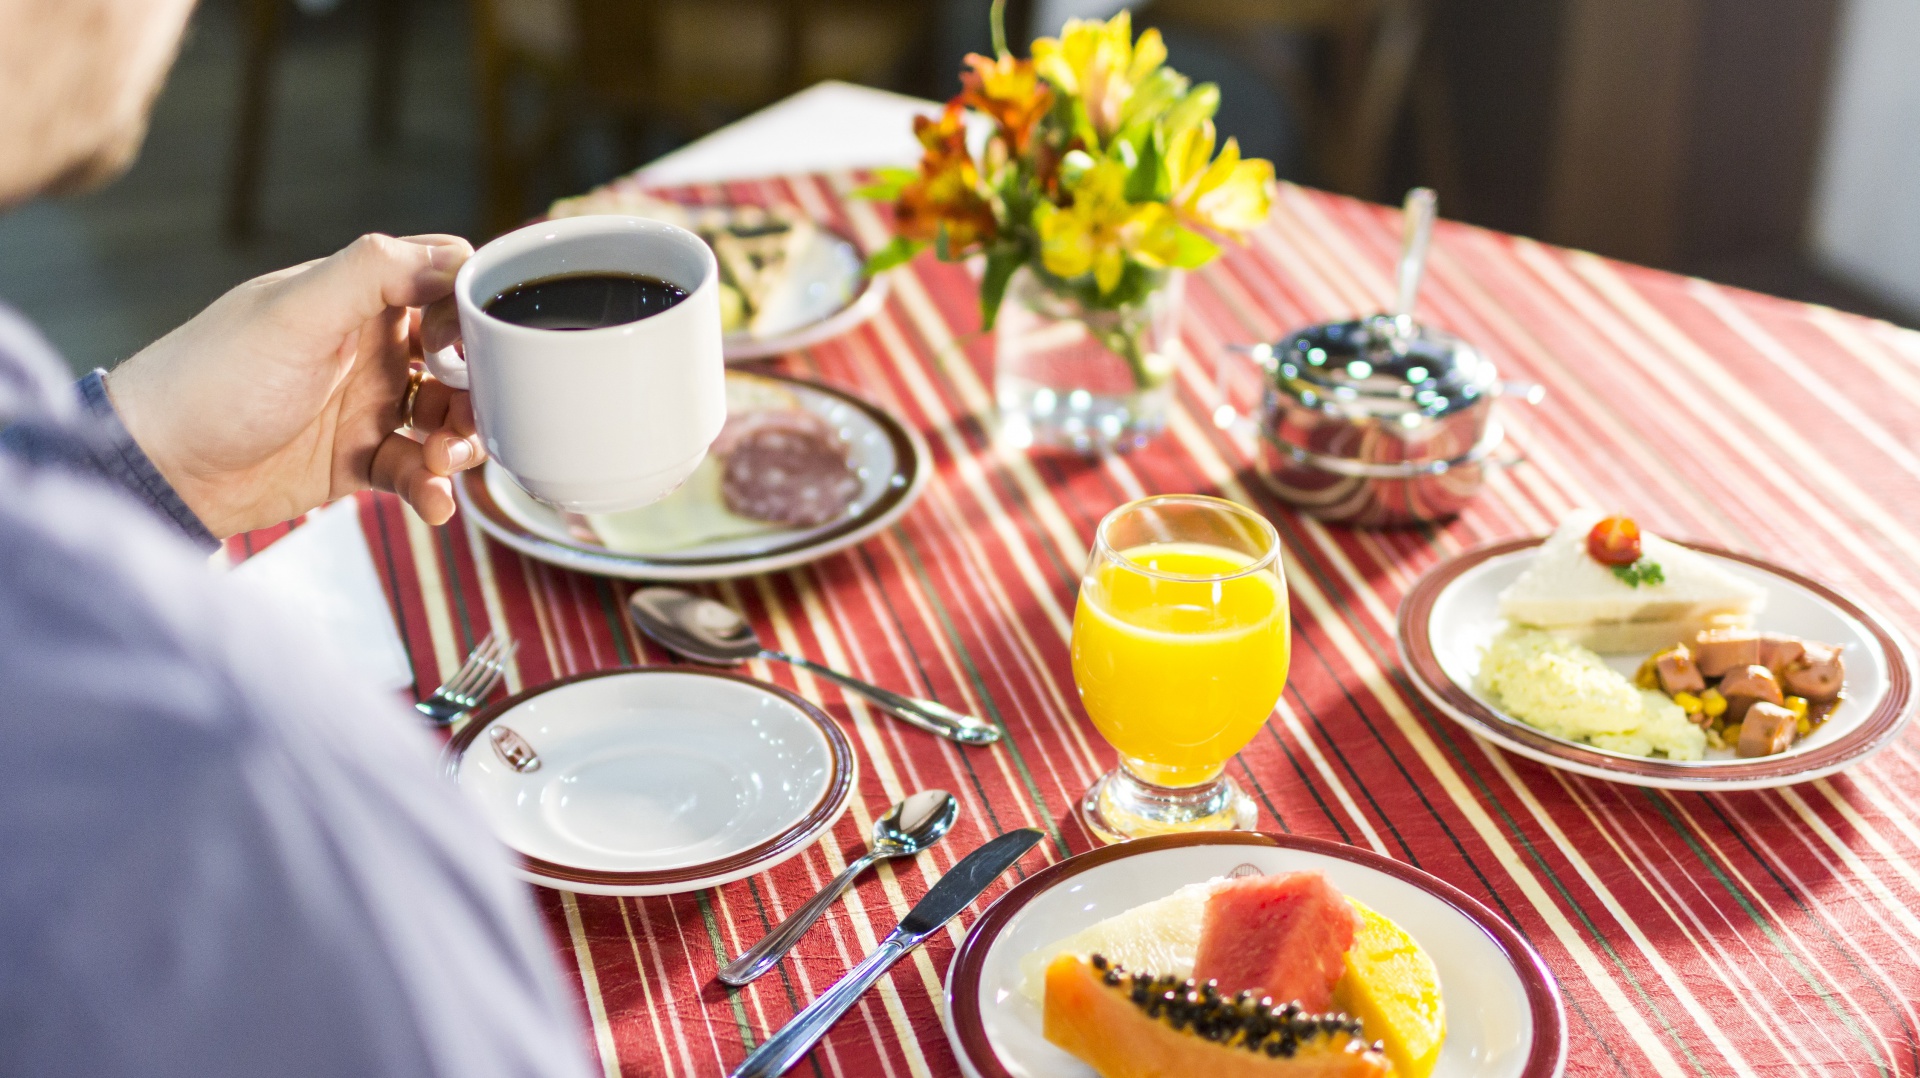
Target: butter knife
955, 892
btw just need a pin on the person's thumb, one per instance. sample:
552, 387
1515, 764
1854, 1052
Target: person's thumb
375, 273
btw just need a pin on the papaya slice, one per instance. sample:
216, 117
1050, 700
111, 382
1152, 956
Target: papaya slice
1127, 1025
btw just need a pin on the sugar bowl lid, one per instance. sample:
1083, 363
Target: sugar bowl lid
1380, 367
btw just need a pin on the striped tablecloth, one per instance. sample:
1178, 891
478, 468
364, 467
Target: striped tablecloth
1767, 932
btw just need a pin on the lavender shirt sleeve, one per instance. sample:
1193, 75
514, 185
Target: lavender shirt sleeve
97, 442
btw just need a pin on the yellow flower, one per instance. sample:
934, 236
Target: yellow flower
1229, 196
1101, 65
1100, 230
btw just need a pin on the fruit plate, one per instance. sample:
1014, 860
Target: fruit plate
1504, 1015
1453, 612
889, 457
652, 780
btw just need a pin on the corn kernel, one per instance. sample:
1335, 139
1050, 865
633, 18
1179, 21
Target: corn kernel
1801, 724
1648, 676
1713, 704
1798, 705
1688, 702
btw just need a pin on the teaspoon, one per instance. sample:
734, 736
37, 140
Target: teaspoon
708, 632
911, 826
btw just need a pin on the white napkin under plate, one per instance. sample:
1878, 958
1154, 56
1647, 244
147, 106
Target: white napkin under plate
322, 574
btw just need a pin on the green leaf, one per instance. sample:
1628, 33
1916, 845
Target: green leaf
896, 253
887, 184
1002, 260
1640, 572
1200, 103
1194, 250
1149, 182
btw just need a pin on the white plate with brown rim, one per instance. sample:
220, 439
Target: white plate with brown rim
1505, 1018
889, 458
652, 780
1452, 613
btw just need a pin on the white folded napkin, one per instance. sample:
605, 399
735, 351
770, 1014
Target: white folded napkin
322, 574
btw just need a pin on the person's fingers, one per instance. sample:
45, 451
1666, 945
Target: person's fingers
440, 325
445, 416
446, 452
375, 273
399, 465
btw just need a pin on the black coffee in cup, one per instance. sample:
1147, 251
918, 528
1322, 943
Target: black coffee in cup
584, 300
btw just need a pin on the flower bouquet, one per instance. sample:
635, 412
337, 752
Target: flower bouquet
1098, 184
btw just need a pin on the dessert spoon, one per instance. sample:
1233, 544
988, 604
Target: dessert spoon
911, 826
705, 631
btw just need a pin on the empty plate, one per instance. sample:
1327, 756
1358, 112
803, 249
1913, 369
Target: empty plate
653, 780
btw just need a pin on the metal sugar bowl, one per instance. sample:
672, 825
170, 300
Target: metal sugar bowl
1381, 421
1377, 423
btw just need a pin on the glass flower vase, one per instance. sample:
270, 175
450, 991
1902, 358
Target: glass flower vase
1073, 376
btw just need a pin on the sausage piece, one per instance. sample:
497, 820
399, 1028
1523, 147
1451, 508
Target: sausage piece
1779, 651
1678, 673
1819, 675
1717, 651
1767, 729
1745, 686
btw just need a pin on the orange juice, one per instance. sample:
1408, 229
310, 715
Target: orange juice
1179, 674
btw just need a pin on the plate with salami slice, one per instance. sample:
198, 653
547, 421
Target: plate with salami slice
802, 470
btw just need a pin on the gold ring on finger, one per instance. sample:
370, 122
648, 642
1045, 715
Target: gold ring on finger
415, 376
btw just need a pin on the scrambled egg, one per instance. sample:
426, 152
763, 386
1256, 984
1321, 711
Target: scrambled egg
1570, 692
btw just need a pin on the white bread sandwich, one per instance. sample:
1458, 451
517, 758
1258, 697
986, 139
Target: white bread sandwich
1665, 595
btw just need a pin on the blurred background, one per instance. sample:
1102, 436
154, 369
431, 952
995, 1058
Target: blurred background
1764, 143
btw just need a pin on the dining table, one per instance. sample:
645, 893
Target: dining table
1767, 932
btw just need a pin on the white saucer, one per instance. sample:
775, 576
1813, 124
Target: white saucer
1452, 613
653, 780
1504, 1015
890, 458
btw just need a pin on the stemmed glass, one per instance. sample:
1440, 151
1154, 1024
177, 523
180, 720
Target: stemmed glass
1180, 646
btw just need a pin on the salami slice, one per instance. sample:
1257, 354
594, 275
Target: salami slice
787, 468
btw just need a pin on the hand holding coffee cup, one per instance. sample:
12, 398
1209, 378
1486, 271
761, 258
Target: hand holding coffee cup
592, 350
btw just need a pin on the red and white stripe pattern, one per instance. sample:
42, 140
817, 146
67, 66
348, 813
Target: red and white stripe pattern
1747, 933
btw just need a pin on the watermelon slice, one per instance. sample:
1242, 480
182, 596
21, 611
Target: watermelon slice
1281, 936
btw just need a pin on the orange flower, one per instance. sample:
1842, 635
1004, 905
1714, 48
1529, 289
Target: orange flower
1008, 90
946, 195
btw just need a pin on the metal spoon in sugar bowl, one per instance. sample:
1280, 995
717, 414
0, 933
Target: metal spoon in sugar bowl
697, 628
911, 826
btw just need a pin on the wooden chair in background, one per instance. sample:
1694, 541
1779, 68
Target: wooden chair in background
263, 30
684, 67
1370, 66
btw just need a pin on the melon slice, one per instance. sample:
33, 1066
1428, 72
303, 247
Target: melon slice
1141, 1026
1281, 936
1162, 935
1393, 988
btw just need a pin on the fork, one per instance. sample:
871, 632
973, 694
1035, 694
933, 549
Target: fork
470, 684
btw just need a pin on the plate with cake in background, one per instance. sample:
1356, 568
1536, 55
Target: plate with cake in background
800, 471
1247, 955
1609, 651
785, 281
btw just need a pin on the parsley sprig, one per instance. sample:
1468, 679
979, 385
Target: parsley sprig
1644, 571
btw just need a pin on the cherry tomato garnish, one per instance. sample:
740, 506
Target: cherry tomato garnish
1615, 541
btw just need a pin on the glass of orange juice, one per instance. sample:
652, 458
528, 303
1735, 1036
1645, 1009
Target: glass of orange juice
1180, 647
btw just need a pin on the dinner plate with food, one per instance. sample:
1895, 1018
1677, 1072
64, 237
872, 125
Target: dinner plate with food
652, 781
1610, 651
800, 471
785, 282
1245, 955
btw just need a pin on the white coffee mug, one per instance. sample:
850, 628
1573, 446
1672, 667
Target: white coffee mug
593, 420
